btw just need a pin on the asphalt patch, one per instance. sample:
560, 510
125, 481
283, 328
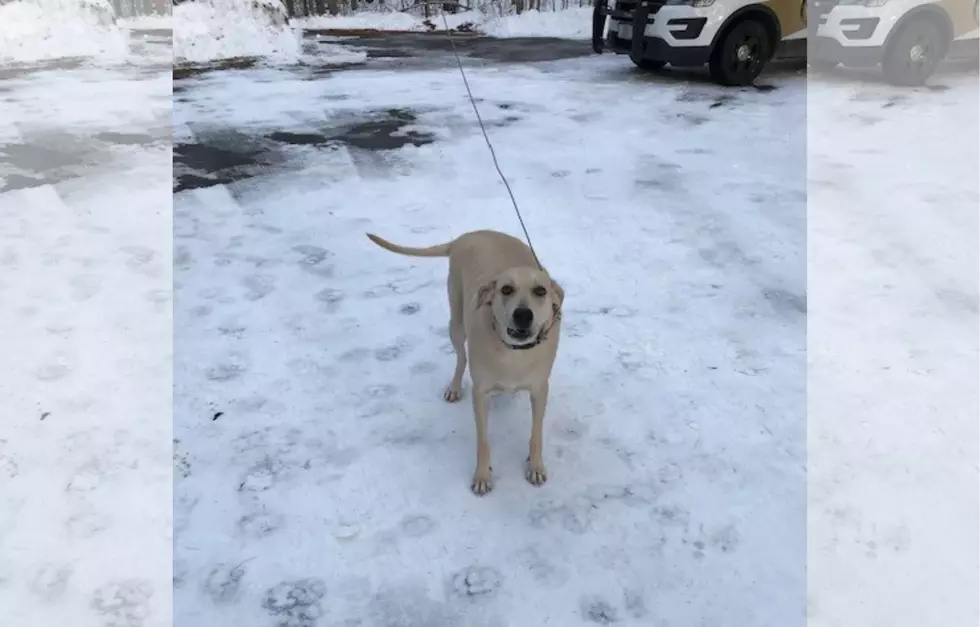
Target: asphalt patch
225, 157
388, 53
47, 159
510, 50
126, 139
18, 70
384, 131
299, 139
218, 159
193, 70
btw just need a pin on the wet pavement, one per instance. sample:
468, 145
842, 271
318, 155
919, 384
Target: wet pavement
225, 156
434, 45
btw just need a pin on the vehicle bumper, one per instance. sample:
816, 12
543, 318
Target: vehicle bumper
656, 49
678, 35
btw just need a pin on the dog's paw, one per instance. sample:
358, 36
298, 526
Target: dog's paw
452, 394
536, 474
482, 482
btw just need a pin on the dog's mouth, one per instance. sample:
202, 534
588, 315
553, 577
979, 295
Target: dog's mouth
523, 336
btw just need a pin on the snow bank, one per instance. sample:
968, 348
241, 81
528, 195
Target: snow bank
148, 22
575, 23
366, 20
568, 24
224, 29
388, 21
35, 30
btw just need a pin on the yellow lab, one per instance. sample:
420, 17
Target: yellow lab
507, 312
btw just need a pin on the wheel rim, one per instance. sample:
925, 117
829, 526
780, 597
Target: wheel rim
921, 54
746, 55
917, 54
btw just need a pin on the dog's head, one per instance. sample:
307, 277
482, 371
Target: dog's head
524, 302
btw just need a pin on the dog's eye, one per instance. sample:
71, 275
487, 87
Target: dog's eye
540, 291
507, 290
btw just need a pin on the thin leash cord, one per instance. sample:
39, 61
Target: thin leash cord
486, 137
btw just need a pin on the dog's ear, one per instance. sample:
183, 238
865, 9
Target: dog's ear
485, 296
559, 291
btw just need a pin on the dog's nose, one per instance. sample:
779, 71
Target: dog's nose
523, 317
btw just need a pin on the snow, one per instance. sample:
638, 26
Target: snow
33, 30
892, 345
214, 30
573, 23
329, 54
148, 22
320, 474
364, 20
568, 24
221, 29
239, 361
86, 327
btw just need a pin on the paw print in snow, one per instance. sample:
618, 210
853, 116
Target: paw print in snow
296, 603
476, 581
123, 603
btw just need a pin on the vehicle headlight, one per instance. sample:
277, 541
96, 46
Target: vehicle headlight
690, 3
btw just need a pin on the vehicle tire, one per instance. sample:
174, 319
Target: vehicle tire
650, 65
741, 54
912, 56
598, 25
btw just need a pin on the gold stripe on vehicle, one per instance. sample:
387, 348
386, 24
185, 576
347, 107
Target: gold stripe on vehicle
962, 14
790, 13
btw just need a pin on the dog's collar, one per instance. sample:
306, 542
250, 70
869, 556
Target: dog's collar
524, 347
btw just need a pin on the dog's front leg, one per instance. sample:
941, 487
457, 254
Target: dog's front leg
482, 478
535, 471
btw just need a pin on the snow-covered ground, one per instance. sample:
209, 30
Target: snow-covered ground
573, 23
86, 328
892, 260
320, 477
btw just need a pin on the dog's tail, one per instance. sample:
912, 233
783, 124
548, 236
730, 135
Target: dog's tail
441, 250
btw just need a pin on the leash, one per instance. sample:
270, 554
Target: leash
486, 138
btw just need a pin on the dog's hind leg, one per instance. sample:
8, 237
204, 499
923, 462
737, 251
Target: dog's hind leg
457, 334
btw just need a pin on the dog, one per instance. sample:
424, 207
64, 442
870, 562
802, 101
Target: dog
505, 316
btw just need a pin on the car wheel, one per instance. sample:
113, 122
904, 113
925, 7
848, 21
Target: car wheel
741, 54
598, 26
650, 65
912, 56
